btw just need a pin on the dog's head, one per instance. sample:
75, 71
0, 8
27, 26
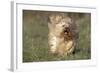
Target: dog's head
63, 26
58, 23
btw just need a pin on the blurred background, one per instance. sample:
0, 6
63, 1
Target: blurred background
35, 36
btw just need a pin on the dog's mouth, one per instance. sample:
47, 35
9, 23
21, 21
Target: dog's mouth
68, 33
66, 30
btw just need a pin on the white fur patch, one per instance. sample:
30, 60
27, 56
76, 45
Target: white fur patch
53, 44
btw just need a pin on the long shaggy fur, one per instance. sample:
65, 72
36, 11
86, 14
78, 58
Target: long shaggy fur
60, 36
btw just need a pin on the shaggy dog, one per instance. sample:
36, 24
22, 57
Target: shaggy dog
60, 36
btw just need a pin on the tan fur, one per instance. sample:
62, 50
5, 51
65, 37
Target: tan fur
60, 42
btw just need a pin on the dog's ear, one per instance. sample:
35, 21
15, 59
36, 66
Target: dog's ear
55, 18
49, 23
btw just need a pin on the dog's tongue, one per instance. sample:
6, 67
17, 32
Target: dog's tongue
65, 32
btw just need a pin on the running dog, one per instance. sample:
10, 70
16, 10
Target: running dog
60, 36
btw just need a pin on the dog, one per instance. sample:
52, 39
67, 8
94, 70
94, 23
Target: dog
60, 37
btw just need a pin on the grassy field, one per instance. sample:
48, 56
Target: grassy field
35, 38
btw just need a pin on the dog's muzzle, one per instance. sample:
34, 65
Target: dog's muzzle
66, 29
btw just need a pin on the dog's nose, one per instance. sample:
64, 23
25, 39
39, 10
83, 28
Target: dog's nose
65, 30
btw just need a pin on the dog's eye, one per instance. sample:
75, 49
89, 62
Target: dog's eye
63, 25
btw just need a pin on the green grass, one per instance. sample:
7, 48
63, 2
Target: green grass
35, 38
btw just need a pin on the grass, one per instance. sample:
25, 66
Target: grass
35, 38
